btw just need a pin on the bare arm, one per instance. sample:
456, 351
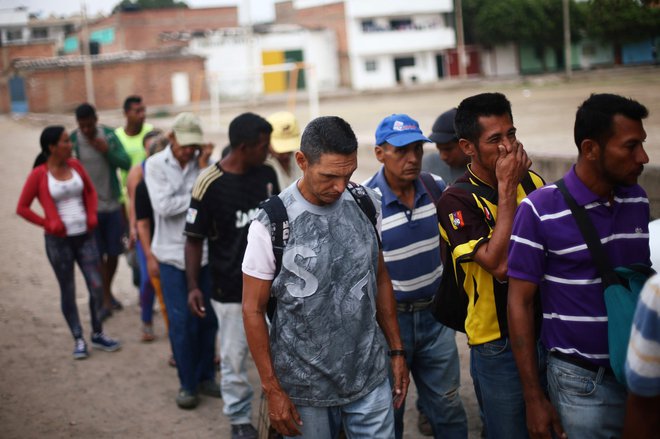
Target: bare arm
542, 418
642, 420
510, 168
283, 414
387, 320
132, 180
144, 234
193, 253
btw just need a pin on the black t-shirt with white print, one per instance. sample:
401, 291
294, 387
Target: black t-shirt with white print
221, 209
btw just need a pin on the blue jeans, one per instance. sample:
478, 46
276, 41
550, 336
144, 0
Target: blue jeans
147, 292
590, 404
370, 417
432, 359
192, 338
498, 388
62, 254
236, 388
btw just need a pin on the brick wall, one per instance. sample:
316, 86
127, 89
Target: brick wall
330, 16
141, 30
8, 53
62, 89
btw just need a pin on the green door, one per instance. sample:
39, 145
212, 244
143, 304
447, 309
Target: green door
295, 56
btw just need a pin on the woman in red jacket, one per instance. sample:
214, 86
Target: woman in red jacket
68, 199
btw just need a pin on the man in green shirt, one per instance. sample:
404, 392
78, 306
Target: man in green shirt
132, 135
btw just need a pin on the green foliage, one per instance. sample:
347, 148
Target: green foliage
622, 21
149, 4
536, 22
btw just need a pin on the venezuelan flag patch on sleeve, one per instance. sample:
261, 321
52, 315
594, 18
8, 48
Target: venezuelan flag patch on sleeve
456, 219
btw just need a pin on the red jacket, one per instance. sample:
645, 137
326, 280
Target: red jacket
36, 186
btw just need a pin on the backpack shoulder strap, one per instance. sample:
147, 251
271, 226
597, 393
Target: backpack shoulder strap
590, 235
279, 227
366, 205
431, 187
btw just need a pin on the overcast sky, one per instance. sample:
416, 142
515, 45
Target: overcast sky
262, 10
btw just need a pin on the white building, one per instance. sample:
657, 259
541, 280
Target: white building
17, 27
243, 63
392, 42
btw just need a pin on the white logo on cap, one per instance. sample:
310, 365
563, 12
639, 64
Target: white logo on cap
401, 126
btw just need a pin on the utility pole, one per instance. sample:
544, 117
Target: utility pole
460, 39
567, 40
87, 61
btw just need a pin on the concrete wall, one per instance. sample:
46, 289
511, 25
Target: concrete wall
552, 168
61, 89
424, 70
500, 60
371, 8
328, 16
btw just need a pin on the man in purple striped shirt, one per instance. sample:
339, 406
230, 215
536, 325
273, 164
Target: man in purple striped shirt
547, 252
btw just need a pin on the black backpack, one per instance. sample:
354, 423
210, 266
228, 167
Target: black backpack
279, 226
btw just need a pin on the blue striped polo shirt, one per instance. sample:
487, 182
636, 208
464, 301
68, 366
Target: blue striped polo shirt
643, 359
547, 249
411, 241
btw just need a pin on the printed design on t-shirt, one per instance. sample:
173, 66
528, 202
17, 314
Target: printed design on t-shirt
191, 215
487, 213
244, 218
456, 219
310, 282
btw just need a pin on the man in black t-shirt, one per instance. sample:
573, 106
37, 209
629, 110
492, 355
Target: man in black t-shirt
224, 200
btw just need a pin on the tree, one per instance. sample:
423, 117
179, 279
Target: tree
538, 23
622, 21
148, 4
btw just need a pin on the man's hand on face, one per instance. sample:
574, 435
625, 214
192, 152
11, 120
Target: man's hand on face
205, 154
512, 164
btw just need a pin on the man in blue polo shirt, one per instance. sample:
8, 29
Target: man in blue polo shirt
547, 252
411, 249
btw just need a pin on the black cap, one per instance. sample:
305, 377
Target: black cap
443, 129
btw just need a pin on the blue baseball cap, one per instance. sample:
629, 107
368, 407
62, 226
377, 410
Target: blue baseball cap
399, 130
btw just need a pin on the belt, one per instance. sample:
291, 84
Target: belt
580, 362
416, 305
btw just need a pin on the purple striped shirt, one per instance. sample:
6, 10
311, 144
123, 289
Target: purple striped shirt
548, 249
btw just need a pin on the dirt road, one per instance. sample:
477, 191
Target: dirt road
44, 393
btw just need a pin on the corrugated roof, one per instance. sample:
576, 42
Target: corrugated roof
117, 57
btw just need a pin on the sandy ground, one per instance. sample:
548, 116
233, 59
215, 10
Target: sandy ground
45, 393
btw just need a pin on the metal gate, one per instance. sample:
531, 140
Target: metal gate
17, 95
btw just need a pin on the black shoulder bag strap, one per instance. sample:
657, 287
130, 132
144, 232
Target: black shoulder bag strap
598, 254
431, 187
279, 227
366, 205
279, 235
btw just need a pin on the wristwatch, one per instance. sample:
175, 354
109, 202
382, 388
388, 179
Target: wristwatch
397, 353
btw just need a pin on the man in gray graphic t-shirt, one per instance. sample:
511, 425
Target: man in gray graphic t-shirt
326, 361
101, 153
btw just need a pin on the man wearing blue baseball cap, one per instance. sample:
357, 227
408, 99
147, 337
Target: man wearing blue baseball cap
411, 249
